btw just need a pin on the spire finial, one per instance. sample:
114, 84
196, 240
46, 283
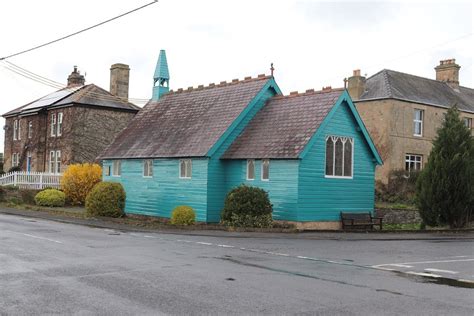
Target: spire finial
271, 69
161, 77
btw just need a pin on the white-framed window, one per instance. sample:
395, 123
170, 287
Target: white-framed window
418, 122
250, 169
52, 159
468, 122
55, 161
59, 131
15, 159
15, 129
58, 162
265, 170
148, 168
107, 170
339, 157
19, 129
30, 129
117, 168
185, 168
413, 162
53, 125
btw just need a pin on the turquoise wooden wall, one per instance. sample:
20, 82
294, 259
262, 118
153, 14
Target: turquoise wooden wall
282, 186
158, 195
322, 199
217, 171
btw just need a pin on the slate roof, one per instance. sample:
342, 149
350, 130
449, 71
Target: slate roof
283, 128
87, 95
185, 123
389, 84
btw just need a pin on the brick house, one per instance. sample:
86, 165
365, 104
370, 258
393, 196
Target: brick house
71, 125
403, 112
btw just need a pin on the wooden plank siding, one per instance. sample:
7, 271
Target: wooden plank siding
282, 186
322, 199
216, 190
158, 195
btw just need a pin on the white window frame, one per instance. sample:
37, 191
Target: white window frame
57, 162
52, 159
30, 129
15, 160
250, 161
116, 168
53, 125
467, 122
334, 139
148, 168
19, 129
59, 124
418, 121
15, 129
188, 168
261, 171
409, 158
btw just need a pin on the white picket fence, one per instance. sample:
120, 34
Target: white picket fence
31, 180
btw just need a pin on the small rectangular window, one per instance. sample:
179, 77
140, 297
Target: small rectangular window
53, 125
58, 162
185, 168
52, 159
250, 169
19, 129
116, 168
339, 157
60, 124
30, 129
468, 122
107, 170
15, 129
413, 162
418, 123
265, 169
148, 168
14, 160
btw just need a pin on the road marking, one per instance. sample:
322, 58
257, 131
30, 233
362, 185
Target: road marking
204, 243
439, 261
398, 265
424, 274
225, 246
39, 237
441, 271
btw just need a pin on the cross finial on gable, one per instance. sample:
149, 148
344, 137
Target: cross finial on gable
271, 69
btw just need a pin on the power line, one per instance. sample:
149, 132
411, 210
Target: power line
78, 32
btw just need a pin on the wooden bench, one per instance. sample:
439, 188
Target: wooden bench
360, 220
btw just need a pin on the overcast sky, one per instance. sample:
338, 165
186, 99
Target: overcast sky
311, 43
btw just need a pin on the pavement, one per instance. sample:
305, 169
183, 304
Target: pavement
51, 267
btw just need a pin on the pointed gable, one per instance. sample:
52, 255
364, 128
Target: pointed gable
185, 123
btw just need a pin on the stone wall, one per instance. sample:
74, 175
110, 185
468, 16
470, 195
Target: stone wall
398, 216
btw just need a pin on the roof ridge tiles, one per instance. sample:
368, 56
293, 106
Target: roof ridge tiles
387, 84
309, 92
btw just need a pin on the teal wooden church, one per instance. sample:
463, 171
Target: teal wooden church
310, 151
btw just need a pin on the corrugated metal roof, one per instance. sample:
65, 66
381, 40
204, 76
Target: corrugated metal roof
185, 123
284, 126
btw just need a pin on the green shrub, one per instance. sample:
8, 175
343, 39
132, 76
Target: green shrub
247, 206
106, 199
50, 197
401, 187
183, 215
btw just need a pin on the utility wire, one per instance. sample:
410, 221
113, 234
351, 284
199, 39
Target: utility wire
78, 32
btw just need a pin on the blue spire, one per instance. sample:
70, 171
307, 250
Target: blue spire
161, 77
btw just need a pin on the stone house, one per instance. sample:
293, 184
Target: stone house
310, 151
71, 125
403, 112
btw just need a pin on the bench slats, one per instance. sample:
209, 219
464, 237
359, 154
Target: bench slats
360, 220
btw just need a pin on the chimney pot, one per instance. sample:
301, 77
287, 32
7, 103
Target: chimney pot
119, 80
75, 78
356, 72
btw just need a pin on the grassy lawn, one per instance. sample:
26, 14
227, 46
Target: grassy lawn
412, 226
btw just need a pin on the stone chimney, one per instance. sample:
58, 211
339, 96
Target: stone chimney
119, 80
356, 85
448, 71
75, 78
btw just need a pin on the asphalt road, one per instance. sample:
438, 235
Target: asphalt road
56, 268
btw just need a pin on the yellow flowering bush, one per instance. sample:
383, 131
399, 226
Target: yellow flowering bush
79, 179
